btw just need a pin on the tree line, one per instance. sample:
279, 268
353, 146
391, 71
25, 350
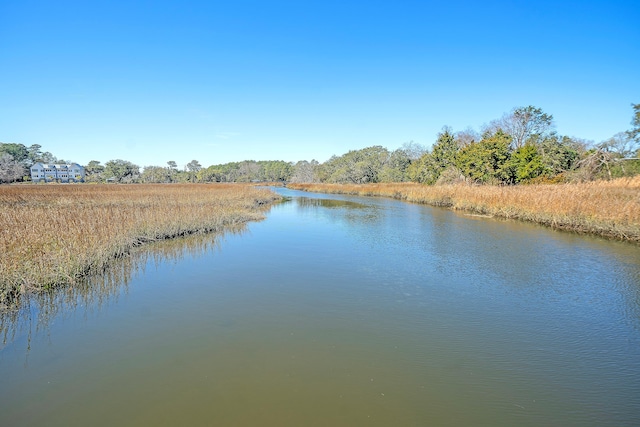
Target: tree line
520, 147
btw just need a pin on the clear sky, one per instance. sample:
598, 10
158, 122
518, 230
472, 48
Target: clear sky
221, 81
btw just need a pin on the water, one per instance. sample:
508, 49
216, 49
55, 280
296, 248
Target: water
339, 311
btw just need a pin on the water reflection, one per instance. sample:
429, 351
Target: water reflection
472, 253
342, 311
353, 213
35, 312
306, 202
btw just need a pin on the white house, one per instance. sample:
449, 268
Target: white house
42, 172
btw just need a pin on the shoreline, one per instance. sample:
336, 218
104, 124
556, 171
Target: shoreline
53, 236
609, 209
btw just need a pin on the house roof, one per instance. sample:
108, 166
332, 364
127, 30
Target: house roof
56, 166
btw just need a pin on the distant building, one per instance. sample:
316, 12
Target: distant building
41, 172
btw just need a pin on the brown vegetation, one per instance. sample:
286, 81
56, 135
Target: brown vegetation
605, 208
56, 234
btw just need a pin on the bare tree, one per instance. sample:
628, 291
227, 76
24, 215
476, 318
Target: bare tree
305, 172
614, 151
248, 170
596, 161
523, 124
413, 150
10, 169
466, 137
623, 144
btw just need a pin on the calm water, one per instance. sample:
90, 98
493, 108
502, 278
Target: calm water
339, 311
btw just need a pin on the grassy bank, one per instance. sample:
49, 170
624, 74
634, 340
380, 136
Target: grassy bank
55, 234
605, 208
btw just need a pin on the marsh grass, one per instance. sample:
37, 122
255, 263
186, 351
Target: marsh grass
34, 312
52, 235
604, 208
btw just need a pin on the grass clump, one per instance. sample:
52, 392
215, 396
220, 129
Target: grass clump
604, 208
54, 235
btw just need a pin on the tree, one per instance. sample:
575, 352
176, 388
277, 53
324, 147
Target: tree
634, 133
93, 171
248, 170
219, 173
121, 171
172, 166
395, 169
276, 170
558, 154
305, 172
596, 163
34, 153
466, 137
445, 149
486, 160
356, 166
522, 124
451, 175
412, 150
617, 156
526, 163
428, 168
228, 172
425, 170
47, 157
193, 167
154, 174
612, 158
18, 152
10, 169
622, 144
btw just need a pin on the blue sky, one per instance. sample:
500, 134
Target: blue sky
221, 81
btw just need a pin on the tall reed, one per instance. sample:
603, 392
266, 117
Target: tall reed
605, 208
55, 234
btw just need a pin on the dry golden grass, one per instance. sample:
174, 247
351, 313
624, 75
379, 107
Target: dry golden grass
605, 208
56, 234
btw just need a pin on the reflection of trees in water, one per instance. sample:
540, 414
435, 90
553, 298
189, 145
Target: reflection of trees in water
35, 312
306, 202
525, 258
355, 213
